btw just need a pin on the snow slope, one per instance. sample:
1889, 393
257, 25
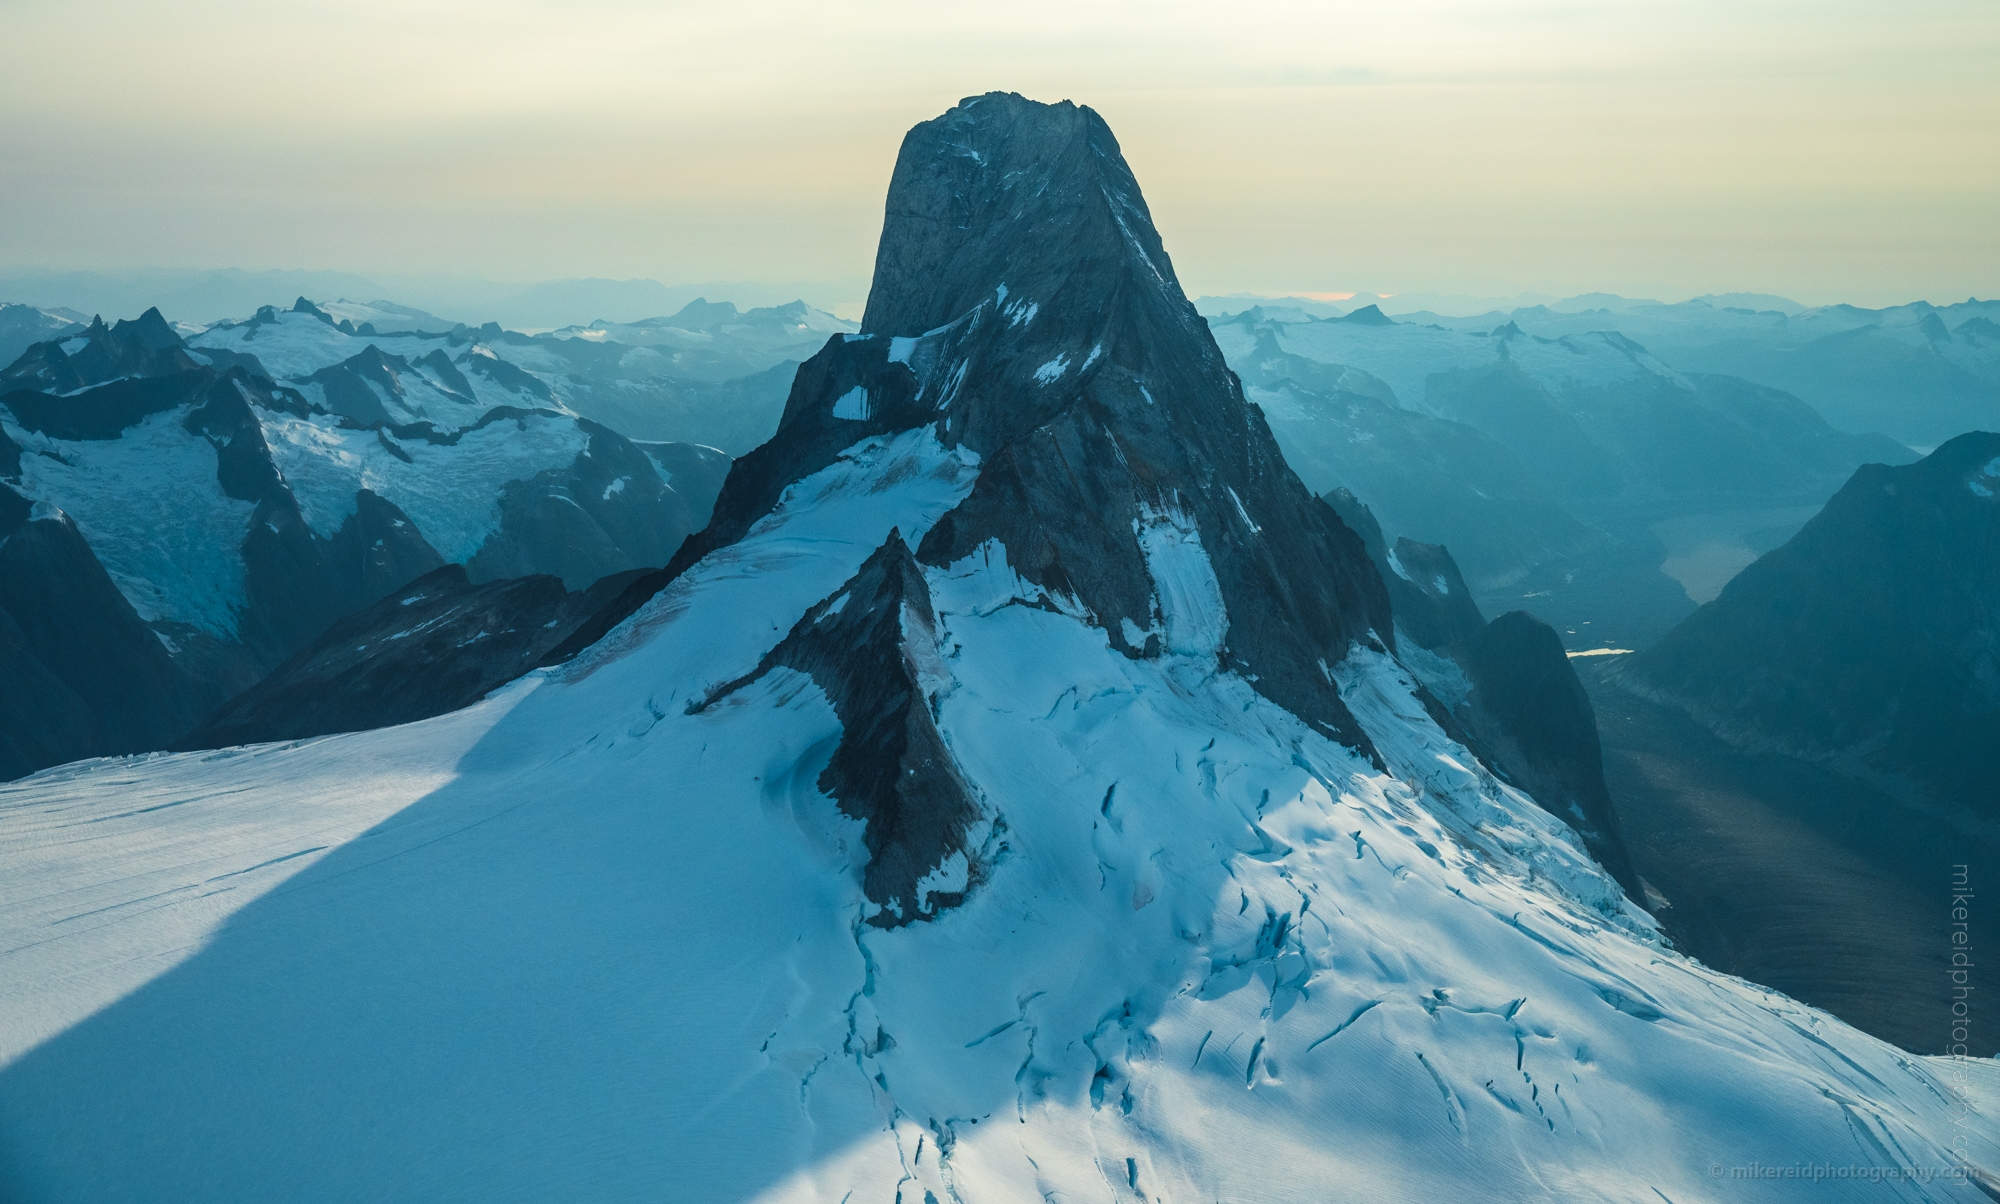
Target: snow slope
576, 943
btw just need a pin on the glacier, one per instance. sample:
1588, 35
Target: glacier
1236, 918
556, 944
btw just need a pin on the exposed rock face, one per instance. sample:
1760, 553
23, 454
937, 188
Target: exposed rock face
1023, 300
1078, 369
1872, 638
870, 646
437, 644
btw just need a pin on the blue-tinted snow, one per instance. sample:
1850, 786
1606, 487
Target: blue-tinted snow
153, 511
452, 491
574, 943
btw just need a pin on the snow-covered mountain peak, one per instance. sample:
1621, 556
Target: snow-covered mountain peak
1023, 306
1019, 627
132, 347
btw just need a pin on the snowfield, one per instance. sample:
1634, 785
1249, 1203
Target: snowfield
576, 943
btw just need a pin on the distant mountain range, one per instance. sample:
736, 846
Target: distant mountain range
1918, 373
708, 374
1568, 475
208, 296
181, 516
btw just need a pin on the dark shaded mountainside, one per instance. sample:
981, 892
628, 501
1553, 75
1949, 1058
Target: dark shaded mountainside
1871, 640
89, 671
1789, 873
435, 645
1024, 304
82, 673
1804, 766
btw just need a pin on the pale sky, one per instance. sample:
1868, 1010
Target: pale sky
1824, 149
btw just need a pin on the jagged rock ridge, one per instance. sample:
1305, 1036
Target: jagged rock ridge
871, 646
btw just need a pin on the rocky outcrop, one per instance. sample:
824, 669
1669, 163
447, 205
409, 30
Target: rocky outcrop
870, 647
435, 645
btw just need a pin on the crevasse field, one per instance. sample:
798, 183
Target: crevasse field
576, 943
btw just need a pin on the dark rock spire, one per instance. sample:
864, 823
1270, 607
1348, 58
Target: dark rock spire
1025, 304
